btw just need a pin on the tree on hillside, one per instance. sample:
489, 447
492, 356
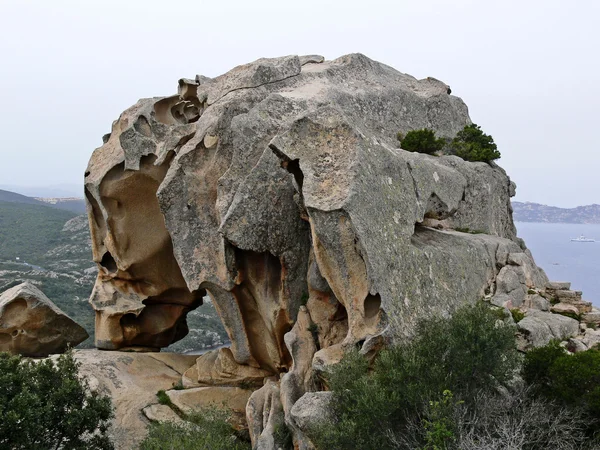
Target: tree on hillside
44, 405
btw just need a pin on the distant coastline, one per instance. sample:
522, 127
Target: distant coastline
536, 212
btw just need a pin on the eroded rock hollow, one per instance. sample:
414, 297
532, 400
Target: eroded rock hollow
279, 189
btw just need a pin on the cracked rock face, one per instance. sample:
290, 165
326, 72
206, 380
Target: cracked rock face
31, 325
279, 184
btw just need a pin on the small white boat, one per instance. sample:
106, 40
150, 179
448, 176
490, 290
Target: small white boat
582, 238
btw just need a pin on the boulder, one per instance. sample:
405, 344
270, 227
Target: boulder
558, 285
565, 309
311, 410
31, 325
536, 301
161, 413
279, 190
541, 327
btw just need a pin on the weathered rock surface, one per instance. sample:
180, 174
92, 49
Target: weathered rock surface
541, 327
31, 325
132, 381
280, 184
264, 414
232, 399
161, 413
218, 368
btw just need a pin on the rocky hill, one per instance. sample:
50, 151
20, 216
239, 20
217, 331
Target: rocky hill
279, 190
535, 212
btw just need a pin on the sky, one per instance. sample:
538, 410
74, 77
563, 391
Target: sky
528, 71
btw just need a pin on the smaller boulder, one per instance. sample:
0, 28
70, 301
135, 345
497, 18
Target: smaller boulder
539, 328
311, 410
161, 414
31, 325
565, 309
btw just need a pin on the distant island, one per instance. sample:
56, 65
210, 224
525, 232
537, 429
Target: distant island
535, 212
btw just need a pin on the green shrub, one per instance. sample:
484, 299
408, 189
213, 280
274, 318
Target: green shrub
44, 405
472, 144
163, 398
422, 141
467, 353
537, 363
575, 380
205, 429
570, 380
517, 314
439, 425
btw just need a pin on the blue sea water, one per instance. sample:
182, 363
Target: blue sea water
563, 260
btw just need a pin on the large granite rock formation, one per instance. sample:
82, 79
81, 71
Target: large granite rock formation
31, 325
280, 184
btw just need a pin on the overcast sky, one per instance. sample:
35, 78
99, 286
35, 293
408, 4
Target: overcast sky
528, 70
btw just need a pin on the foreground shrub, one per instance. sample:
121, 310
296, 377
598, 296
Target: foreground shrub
509, 420
468, 354
422, 141
44, 405
472, 144
571, 380
204, 429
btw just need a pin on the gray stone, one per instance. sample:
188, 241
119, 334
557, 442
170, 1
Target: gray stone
541, 327
312, 409
564, 308
567, 294
592, 317
311, 59
31, 325
576, 345
536, 301
558, 285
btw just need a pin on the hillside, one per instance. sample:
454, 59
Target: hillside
13, 197
535, 212
54, 251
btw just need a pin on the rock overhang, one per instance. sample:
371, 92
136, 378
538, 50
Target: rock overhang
279, 183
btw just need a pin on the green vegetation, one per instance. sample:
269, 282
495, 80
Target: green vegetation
571, 380
517, 314
163, 398
472, 144
28, 231
422, 141
451, 387
205, 429
44, 405
467, 354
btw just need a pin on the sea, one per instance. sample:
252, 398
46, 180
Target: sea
563, 260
